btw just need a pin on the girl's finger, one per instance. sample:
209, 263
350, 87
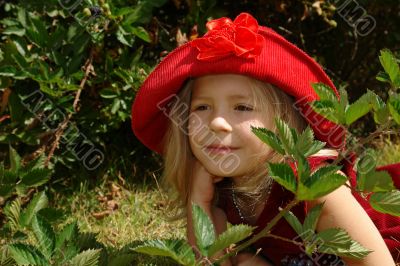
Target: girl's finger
217, 179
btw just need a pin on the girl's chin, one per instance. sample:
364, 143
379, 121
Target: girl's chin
218, 173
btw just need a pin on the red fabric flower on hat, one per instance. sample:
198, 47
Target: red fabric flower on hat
225, 37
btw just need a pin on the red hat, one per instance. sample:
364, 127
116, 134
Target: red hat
235, 47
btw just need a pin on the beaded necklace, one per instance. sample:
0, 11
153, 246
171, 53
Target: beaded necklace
234, 199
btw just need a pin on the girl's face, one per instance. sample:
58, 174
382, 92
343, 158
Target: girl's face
222, 109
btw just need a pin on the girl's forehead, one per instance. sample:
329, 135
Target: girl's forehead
222, 84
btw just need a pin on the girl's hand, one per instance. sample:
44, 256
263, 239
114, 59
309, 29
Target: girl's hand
202, 185
202, 194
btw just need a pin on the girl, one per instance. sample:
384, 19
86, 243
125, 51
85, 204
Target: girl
197, 108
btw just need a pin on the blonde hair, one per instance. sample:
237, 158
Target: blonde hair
178, 157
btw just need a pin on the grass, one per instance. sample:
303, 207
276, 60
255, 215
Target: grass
387, 152
122, 216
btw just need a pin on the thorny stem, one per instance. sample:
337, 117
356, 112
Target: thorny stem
285, 239
88, 67
263, 233
362, 141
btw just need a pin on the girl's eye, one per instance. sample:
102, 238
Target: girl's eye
242, 107
200, 108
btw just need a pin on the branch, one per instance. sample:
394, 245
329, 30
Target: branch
263, 233
88, 67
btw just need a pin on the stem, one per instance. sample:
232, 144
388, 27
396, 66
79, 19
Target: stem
362, 141
285, 239
263, 233
60, 130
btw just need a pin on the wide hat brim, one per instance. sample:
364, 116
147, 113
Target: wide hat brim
280, 63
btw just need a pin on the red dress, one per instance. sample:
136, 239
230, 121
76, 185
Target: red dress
276, 250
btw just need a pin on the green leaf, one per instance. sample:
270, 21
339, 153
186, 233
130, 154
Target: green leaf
315, 147
375, 181
38, 202
337, 241
115, 106
335, 237
294, 222
394, 108
44, 235
12, 212
283, 174
38, 162
121, 260
125, 38
359, 108
303, 168
52, 215
327, 109
232, 235
286, 135
88, 257
38, 31
391, 67
2, 171
325, 185
178, 250
311, 220
325, 92
386, 202
27, 255
344, 98
269, 138
381, 116
141, 33
14, 31
69, 232
320, 173
383, 77
203, 229
305, 141
22, 16
381, 111
36, 177
7, 71
15, 160
108, 93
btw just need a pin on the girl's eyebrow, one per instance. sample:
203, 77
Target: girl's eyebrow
235, 96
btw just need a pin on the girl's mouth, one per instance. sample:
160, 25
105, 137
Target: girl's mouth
220, 149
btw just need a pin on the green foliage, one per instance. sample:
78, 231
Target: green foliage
73, 56
178, 250
330, 241
338, 110
391, 68
67, 247
370, 180
18, 178
283, 174
203, 229
233, 234
303, 184
337, 241
206, 241
386, 202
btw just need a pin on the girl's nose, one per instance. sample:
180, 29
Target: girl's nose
220, 124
